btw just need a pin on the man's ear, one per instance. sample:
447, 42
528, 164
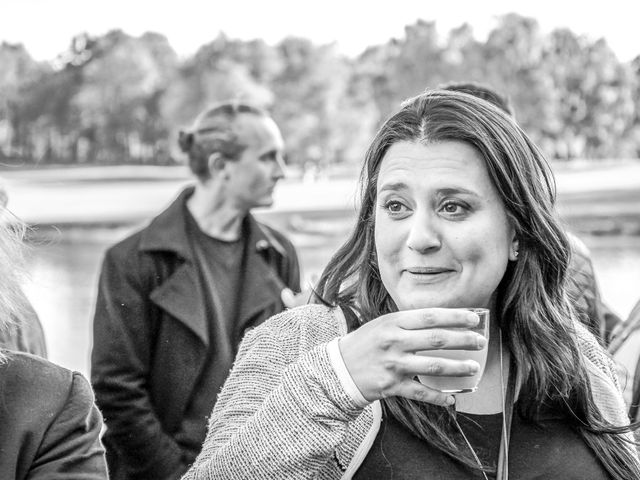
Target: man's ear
215, 163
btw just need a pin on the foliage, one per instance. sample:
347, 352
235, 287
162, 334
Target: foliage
122, 99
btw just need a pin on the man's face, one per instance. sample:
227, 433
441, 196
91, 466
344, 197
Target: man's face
253, 176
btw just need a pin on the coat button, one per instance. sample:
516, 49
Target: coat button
262, 245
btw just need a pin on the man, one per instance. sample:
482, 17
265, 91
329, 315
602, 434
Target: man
583, 287
175, 299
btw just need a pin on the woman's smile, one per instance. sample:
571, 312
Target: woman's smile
429, 274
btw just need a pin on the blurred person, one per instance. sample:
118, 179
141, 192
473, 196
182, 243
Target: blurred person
457, 211
50, 426
175, 299
625, 348
583, 286
23, 333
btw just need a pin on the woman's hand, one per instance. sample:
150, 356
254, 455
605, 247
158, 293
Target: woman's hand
381, 354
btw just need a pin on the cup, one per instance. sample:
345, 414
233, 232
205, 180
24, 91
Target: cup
447, 384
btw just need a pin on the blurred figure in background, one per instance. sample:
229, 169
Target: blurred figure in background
625, 348
175, 299
583, 287
50, 426
23, 333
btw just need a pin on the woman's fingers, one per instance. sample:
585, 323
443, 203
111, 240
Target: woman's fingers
412, 365
414, 390
436, 317
440, 339
382, 355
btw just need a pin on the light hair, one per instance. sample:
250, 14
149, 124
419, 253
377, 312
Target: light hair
12, 306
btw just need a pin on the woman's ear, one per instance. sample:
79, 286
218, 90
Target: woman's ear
514, 250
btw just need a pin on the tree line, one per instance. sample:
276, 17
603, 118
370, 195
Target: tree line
117, 99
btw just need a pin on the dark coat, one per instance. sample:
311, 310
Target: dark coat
585, 295
151, 334
49, 424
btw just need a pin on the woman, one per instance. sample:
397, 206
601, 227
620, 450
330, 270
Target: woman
456, 212
49, 425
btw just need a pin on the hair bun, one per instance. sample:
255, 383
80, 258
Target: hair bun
185, 141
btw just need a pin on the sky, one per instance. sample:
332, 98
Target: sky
45, 27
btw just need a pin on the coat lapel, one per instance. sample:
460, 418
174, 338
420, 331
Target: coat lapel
181, 297
261, 285
181, 294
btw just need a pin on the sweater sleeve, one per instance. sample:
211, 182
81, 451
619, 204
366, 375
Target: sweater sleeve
281, 412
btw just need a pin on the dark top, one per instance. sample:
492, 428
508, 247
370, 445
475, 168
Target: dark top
152, 339
49, 425
584, 294
217, 259
548, 451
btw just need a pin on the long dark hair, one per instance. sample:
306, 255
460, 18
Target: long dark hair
533, 310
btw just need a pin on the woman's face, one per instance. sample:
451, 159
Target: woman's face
442, 234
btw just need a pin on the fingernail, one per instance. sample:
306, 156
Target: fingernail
474, 367
450, 400
473, 319
482, 342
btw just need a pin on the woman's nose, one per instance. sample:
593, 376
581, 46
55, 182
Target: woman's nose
424, 233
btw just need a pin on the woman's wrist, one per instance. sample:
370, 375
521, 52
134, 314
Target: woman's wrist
349, 386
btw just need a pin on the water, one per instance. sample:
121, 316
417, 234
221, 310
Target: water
448, 384
64, 267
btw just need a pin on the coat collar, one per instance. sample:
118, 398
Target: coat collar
168, 231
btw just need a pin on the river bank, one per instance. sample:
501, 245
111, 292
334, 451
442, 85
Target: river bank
599, 199
78, 213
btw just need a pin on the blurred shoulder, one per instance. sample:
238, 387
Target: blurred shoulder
578, 247
276, 237
594, 353
128, 246
33, 379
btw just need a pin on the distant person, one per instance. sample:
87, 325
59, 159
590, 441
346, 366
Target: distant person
583, 287
23, 333
456, 211
625, 348
176, 298
49, 425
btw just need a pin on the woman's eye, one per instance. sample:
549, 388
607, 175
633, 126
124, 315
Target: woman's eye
453, 208
394, 207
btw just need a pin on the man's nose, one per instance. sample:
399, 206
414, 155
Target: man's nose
279, 168
424, 233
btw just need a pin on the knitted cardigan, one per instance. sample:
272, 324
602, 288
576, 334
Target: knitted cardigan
284, 412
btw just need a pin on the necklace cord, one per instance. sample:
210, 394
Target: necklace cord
507, 398
473, 452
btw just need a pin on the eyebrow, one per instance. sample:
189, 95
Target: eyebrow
454, 190
395, 186
270, 154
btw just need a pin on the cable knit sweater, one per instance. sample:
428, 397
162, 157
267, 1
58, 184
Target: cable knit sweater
288, 412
